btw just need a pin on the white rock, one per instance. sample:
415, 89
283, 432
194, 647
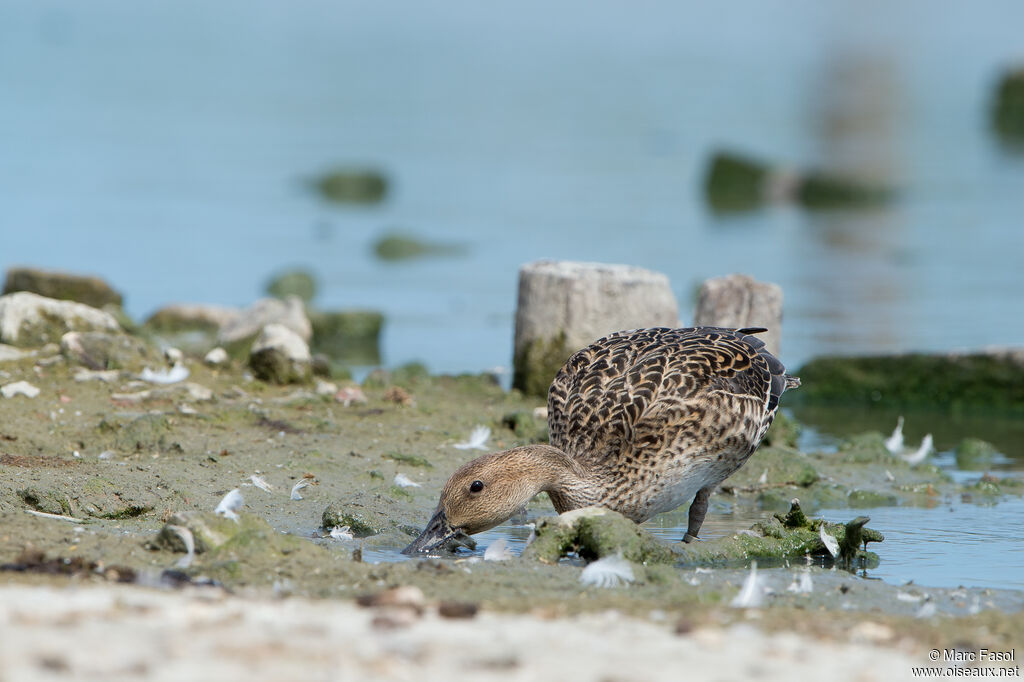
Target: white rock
290, 313
282, 338
19, 388
27, 317
8, 353
585, 301
217, 356
279, 340
741, 301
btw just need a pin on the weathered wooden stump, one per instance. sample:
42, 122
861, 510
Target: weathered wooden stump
565, 305
741, 301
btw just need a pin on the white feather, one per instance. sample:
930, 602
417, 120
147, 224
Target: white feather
477, 439
894, 443
831, 544
764, 478
190, 545
498, 551
304, 483
804, 586
165, 376
403, 481
921, 453
610, 571
751, 595
342, 533
261, 484
230, 504
927, 610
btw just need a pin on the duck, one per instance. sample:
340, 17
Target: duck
640, 422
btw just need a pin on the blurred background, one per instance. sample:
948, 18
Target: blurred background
175, 149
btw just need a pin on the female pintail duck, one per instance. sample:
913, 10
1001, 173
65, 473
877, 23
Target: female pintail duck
640, 422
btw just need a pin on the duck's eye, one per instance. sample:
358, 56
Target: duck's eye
476, 486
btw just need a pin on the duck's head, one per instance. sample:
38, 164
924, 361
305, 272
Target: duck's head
485, 492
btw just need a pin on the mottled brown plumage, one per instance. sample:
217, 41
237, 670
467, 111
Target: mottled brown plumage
640, 421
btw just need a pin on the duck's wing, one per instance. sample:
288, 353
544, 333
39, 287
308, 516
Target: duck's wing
638, 393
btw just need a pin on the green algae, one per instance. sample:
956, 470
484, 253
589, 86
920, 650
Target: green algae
526, 427
411, 460
951, 383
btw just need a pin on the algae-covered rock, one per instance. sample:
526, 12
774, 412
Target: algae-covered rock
593, 533
209, 530
398, 246
361, 520
289, 312
27, 319
300, 283
141, 434
785, 432
786, 536
865, 448
48, 501
865, 499
353, 186
537, 362
739, 183
348, 336
774, 467
974, 454
65, 286
280, 356
97, 497
564, 306
526, 426
103, 350
735, 183
950, 382
187, 317
1008, 109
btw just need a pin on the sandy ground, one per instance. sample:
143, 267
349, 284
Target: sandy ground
132, 633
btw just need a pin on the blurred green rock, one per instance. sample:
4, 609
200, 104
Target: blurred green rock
349, 337
64, 286
353, 186
298, 282
1008, 110
974, 454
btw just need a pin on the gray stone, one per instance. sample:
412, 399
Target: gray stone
280, 356
565, 305
27, 319
741, 301
289, 312
103, 350
179, 317
65, 286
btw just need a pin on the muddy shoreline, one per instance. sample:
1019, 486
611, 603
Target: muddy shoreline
122, 457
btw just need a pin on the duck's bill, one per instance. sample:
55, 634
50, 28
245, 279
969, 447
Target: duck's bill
439, 536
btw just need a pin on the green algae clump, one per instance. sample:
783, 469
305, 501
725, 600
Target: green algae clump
537, 363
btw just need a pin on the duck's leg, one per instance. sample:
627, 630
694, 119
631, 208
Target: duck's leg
698, 508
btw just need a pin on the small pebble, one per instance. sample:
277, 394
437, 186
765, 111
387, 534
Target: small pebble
457, 609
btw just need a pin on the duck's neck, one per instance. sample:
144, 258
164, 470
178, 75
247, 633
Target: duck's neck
552, 471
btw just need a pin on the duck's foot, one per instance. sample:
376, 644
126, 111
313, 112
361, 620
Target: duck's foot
690, 538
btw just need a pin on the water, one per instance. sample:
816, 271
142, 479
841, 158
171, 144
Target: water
167, 148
